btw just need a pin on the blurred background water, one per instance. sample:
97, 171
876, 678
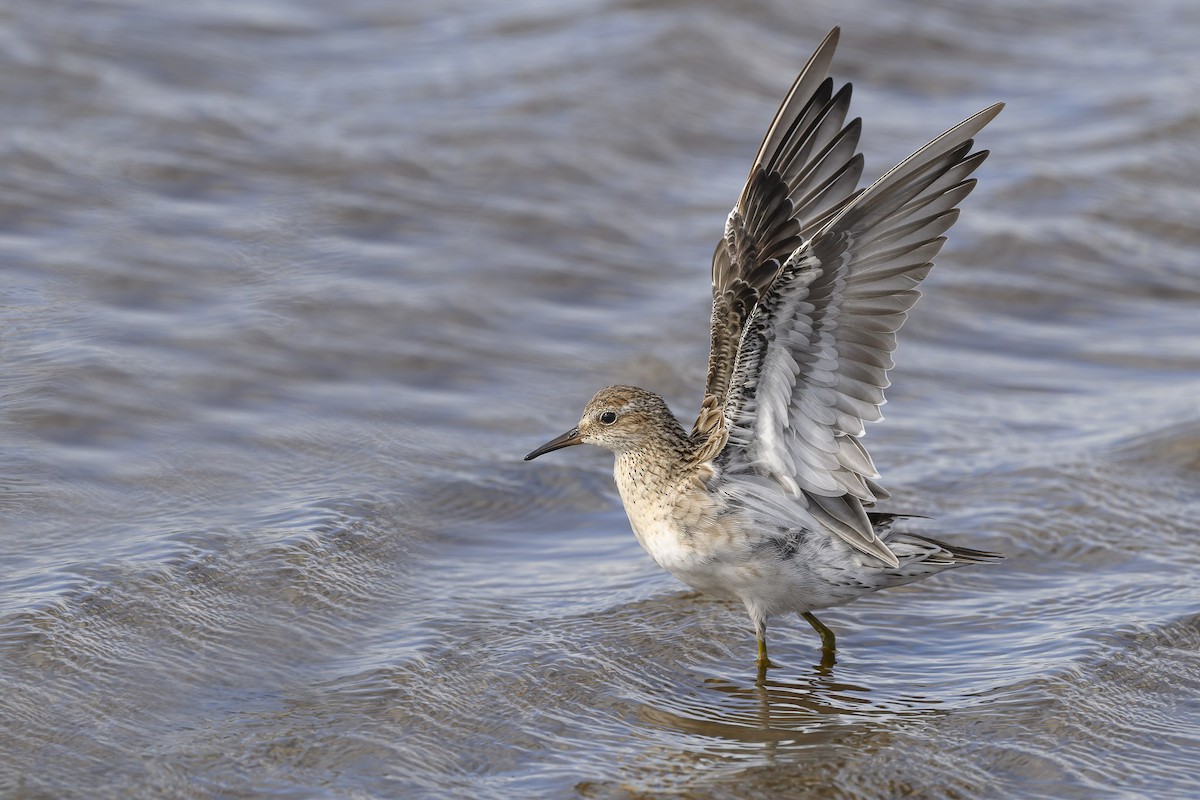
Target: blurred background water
291, 286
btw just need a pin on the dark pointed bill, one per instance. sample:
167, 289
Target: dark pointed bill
566, 440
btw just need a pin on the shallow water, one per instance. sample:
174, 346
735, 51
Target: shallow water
292, 286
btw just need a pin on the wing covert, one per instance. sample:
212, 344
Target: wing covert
805, 170
813, 360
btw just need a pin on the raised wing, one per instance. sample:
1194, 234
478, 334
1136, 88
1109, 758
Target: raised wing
813, 361
805, 170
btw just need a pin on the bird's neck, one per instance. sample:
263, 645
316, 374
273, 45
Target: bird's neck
657, 465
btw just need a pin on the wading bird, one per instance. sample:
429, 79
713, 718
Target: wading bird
767, 499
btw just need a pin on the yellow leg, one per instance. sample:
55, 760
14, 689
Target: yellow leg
828, 640
760, 632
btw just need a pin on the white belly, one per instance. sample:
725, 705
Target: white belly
704, 558
717, 557
686, 533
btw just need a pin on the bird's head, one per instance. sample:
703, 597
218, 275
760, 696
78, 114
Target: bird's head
619, 418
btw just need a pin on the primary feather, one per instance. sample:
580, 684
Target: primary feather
810, 284
768, 499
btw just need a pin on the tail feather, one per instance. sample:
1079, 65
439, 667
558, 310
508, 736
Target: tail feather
933, 551
950, 553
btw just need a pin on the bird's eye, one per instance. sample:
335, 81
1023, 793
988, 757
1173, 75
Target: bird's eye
608, 418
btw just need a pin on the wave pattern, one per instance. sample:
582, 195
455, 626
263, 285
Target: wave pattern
292, 286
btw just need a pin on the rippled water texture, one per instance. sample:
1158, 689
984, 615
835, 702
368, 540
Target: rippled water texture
290, 287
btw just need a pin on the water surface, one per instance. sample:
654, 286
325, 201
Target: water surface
292, 286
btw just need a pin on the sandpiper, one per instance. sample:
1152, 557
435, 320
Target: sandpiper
767, 499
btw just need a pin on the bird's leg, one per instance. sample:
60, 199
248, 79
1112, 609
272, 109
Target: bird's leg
760, 632
828, 640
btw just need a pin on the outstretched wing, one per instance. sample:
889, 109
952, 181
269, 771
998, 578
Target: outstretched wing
805, 170
813, 361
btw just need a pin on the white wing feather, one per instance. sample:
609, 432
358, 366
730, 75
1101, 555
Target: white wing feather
813, 359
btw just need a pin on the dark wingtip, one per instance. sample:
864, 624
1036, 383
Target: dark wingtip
965, 555
952, 552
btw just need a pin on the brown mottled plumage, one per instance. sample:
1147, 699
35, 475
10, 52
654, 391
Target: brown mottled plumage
766, 499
